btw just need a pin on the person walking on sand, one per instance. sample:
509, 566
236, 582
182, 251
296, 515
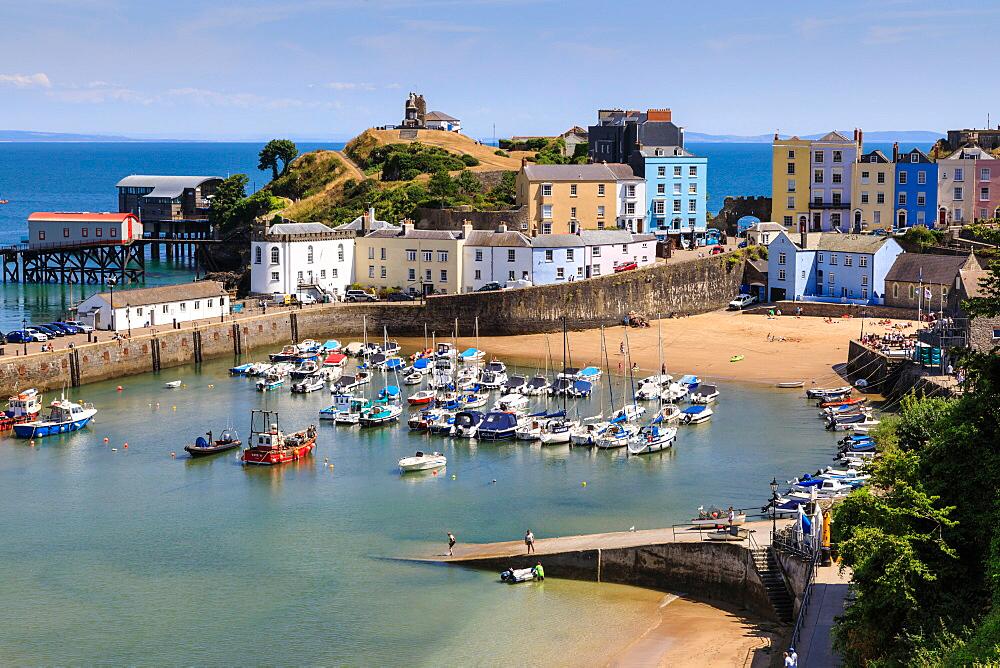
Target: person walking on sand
621, 348
451, 544
529, 540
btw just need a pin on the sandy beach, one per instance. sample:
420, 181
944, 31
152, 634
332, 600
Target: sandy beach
783, 348
691, 633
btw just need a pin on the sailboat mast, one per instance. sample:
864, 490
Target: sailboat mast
565, 344
607, 370
659, 347
628, 361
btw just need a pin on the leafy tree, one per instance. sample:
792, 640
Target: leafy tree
227, 196
441, 185
248, 209
470, 160
505, 192
283, 150
467, 183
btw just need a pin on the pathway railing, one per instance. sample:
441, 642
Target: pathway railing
806, 598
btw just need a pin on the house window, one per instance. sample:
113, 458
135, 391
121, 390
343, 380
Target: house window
781, 274
299, 277
428, 255
880, 198
340, 252
428, 276
210, 303
510, 255
99, 232
569, 254
833, 258
274, 275
677, 206
65, 231
661, 188
572, 190
791, 203
371, 252
597, 251
692, 205
911, 292
902, 178
836, 197
381, 272
921, 177
817, 176
661, 171
677, 188
837, 177
691, 222
310, 255
371, 271
791, 185
677, 171
659, 207
832, 278
442, 256
959, 174
625, 248
895, 290
791, 154
411, 255
984, 174
838, 156
166, 308
901, 200
258, 254
791, 168
546, 212
781, 258
692, 189
197, 303
787, 220
864, 198
479, 255
322, 273
600, 190
183, 306
921, 199
84, 232
382, 253
411, 274
835, 220
819, 258
546, 228
548, 256
579, 271
984, 196
817, 156
479, 274
546, 190
275, 256
848, 261
595, 270
114, 231
864, 176
863, 261
693, 171
864, 280
958, 193
444, 275
560, 273
41, 235
600, 211
880, 177
333, 272
630, 191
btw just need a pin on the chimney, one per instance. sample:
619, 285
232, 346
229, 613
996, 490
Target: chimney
466, 228
804, 235
895, 151
524, 162
407, 226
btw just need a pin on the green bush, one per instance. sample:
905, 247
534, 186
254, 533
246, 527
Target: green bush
470, 160
502, 153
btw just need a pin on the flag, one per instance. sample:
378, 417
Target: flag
927, 293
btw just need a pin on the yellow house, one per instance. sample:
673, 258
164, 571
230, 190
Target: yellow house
790, 181
562, 199
414, 261
872, 192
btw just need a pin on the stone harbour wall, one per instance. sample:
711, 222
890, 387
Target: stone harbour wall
684, 288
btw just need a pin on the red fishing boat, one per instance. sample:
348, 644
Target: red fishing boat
270, 446
843, 402
22, 407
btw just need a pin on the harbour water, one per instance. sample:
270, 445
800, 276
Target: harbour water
129, 556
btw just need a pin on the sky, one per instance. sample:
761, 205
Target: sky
326, 69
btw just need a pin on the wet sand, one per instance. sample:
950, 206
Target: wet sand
778, 349
690, 633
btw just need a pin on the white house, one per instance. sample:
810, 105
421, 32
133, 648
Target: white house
558, 258
438, 120
502, 256
294, 258
763, 233
607, 249
146, 307
48, 229
631, 194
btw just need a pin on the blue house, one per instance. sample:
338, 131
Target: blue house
676, 190
830, 267
916, 189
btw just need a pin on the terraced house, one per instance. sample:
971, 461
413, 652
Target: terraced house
832, 159
676, 187
873, 188
915, 192
411, 260
790, 181
566, 198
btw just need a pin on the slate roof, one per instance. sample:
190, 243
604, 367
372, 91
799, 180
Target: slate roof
491, 238
298, 228
557, 241
833, 136
594, 172
936, 269
164, 186
438, 116
971, 278
875, 156
165, 293
446, 235
840, 243
356, 225
608, 237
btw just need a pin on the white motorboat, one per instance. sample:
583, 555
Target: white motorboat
530, 429
588, 432
558, 431
312, 384
823, 392
536, 385
668, 413
305, 369
474, 399
652, 438
696, 414
517, 575
511, 403
353, 348
467, 423
704, 394
858, 427
617, 436
652, 387
493, 380
172, 384
446, 351
414, 377
423, 462
471, 356
514, 384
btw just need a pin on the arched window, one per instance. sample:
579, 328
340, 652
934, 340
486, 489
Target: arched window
258, 255
340, 252
309, 254
274, 255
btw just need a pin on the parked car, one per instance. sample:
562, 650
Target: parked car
625, 266
741, 302
25, 336
399, 297
64, 328
492, 286
52, 332
79, 325
717, 250
307, 299
360, 296
742, 244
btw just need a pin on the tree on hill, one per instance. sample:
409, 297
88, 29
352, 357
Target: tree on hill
283, 150
227, 195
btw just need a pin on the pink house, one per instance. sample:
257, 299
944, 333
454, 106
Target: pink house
987, 189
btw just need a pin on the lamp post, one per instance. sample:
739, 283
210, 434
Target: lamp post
774, 508
24, 334
111, 285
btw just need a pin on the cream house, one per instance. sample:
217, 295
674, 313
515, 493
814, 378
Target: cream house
411, 260
562, 199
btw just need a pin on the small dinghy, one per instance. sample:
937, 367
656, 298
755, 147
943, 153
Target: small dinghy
421, 398
312, 384
652, 438
716, 517
821, 392
203, 447
696, 414
789, 384
240, 369
423, 462
516, 575
172, 384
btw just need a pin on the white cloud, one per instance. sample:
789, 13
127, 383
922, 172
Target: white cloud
99, 92
39, 80
348, 85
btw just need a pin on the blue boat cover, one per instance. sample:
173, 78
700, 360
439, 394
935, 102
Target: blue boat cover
590, 371
421, 363
200, 442
469, 352
394, 363
583, 386
498, 421
694, 410
388, 391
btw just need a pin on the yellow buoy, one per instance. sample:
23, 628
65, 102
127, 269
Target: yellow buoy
173, 408
583, 484
454, 477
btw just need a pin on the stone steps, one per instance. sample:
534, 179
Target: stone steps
774, 583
